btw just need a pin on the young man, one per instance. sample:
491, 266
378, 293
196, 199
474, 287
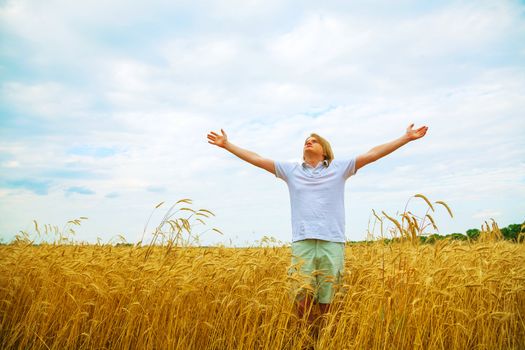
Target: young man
316, 189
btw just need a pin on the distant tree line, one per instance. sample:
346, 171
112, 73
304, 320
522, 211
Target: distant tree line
513, 232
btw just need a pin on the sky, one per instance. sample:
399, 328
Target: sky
105, 107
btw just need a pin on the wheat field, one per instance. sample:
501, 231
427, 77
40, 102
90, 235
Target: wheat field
450, 295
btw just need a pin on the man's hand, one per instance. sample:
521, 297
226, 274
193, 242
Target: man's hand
387, 148
218, 140
416, 134
249, 156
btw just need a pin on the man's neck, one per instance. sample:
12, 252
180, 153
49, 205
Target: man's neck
313, 161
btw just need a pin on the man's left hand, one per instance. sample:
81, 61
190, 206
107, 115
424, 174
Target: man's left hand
417, 133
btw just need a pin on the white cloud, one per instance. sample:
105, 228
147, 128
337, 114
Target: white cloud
11, 164
50, 100
316, 42
460, 27
487, 214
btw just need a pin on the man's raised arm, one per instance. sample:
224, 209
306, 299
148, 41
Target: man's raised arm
249, 156
389, 147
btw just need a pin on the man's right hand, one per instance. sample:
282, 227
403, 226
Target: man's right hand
218, 140
248, 156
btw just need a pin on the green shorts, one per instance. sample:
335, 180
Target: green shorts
318, 265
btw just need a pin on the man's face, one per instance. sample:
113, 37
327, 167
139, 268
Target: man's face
312, 147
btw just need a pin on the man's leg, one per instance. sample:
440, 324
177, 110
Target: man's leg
324, 308
306, 307
331, 262
330, 256
303, 256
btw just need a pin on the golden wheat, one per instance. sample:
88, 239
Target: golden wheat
451, 295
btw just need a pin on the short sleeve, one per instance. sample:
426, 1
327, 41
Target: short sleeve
348, 166
284, 169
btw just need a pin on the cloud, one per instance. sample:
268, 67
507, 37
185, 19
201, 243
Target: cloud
68, 171
10, 164
305, 47
38, 187
487, 214
156, 189
49, 100
78, 190
92, 151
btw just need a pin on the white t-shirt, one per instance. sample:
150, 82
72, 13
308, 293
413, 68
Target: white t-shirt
317, 198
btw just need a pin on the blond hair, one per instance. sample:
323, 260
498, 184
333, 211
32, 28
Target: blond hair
328, 154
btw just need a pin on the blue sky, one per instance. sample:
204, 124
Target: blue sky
105, 107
